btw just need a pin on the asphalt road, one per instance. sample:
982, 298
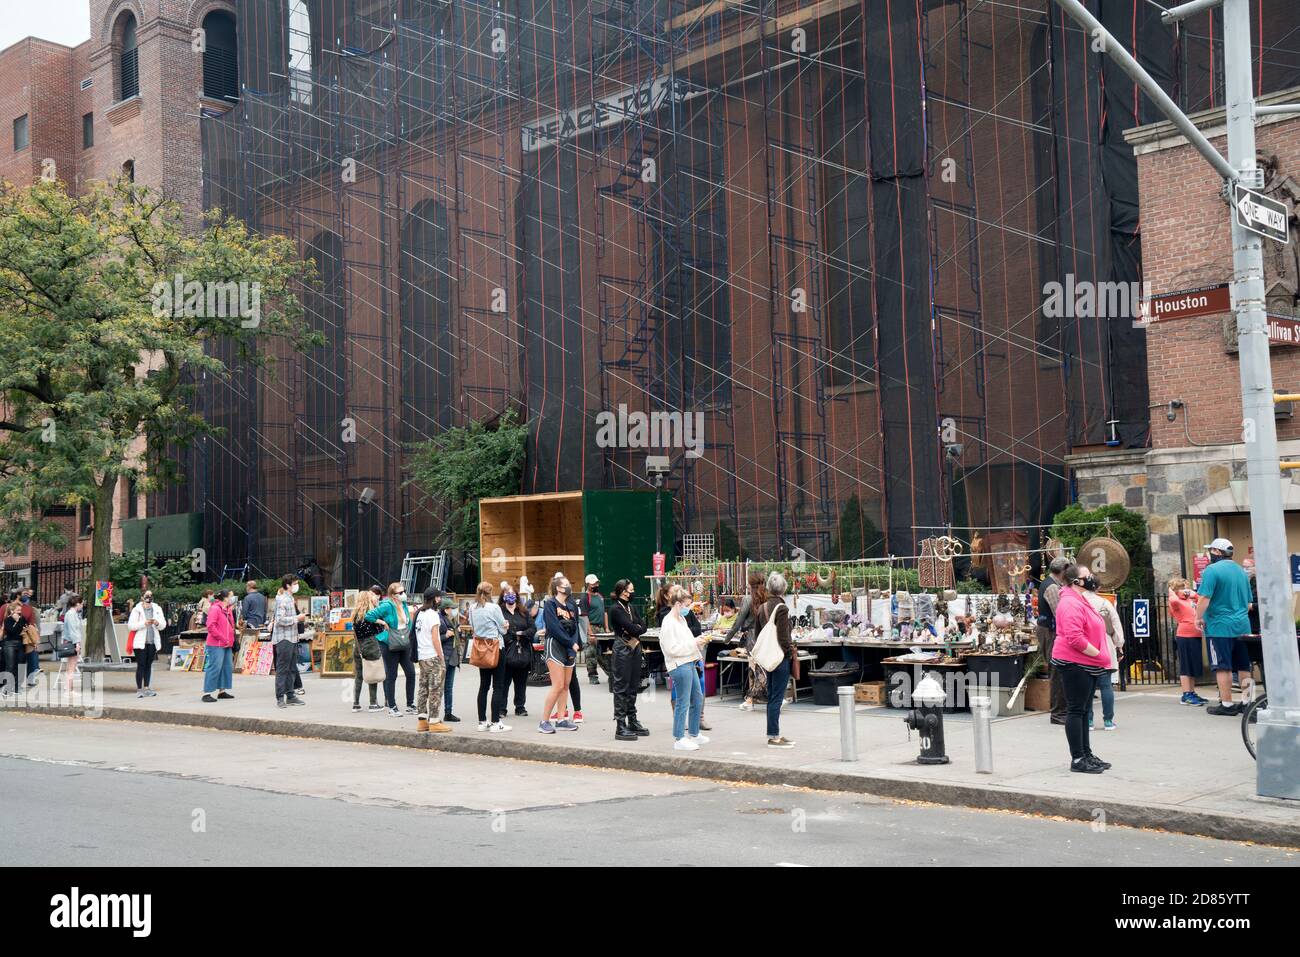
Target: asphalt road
106, 793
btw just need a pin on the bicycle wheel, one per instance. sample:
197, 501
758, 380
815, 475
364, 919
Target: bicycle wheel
1249, 718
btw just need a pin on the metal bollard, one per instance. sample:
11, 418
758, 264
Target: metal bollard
848, 724
982, 718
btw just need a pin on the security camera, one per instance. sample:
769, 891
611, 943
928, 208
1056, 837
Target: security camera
366, 497
954, 450
657, 465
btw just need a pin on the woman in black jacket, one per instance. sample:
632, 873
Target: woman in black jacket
518, 648
12, 653
626, 670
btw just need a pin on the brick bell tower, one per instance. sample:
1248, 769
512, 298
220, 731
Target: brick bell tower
148, 73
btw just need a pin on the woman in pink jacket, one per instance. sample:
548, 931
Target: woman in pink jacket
218, 665
1081, 655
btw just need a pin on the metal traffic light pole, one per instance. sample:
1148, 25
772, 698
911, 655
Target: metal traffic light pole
1278, 730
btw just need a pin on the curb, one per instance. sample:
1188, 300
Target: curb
1162, 818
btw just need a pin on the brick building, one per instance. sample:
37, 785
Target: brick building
1191, 481
127, 101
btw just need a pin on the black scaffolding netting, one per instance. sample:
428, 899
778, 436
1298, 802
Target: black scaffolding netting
820, 228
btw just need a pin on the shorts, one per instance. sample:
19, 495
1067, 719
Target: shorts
1228, 654
561, 653
1189, 657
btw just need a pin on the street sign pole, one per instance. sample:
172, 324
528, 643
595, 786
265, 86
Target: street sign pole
1278, 731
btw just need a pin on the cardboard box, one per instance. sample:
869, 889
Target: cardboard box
869, 692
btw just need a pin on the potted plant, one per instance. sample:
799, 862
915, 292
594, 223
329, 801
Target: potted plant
1038, 689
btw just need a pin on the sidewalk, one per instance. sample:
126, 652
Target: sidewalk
1175, 768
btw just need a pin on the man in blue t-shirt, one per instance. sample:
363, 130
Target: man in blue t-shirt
1223, 610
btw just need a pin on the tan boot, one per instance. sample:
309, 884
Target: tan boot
438, 727
422, 724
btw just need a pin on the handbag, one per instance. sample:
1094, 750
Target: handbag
372, 671
484, 653
399, 639
31, 636
767, 653
66, 649
519, 654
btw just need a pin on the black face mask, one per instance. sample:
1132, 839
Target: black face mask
1217, 558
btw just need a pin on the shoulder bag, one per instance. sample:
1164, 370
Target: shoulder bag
372, 671
767, 653
484, 653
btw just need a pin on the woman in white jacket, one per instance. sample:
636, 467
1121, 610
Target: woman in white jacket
681, 650
147, 621
74, 631
1114, 643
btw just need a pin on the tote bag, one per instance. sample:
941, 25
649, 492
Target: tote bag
484, 653
372, 672
767, 653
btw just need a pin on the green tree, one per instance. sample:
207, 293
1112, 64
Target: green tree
726, 543
1074, 525
857, 536
461, 465
103, 360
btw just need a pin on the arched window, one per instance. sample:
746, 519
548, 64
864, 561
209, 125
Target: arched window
428, 351
300, 65
324, 368
128, 57
220, 57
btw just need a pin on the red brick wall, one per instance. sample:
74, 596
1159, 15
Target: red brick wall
1186, 244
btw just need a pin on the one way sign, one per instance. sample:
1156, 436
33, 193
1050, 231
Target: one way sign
1261, 215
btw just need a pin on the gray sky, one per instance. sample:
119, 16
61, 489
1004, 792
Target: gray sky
63, 21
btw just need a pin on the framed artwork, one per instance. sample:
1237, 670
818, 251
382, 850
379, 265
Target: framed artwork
181, 658
350, 597
336, 599
320, 605
337, 661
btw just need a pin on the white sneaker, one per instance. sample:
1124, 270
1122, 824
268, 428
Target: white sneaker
700, 739
498, 727
746, 706
482, 725
685, 744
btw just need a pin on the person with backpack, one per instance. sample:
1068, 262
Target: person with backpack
518, 650
777, 613
428, 652
394, 644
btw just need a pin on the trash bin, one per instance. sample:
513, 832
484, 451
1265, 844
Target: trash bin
829, 677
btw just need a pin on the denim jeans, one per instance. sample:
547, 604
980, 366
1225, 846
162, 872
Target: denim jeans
777, 679
218, 666
448, 683
1107, 699
392, 661
33, 664
688, 700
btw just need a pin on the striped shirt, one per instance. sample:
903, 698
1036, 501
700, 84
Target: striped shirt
286, 618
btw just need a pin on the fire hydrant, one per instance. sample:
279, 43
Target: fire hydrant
926, 717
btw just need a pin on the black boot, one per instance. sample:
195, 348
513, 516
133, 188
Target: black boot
636, 727
623, 732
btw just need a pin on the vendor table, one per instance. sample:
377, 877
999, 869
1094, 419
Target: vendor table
727, 664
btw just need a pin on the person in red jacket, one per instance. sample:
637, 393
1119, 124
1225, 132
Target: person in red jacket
1080, 652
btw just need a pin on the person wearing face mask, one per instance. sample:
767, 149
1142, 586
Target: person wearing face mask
1187, 638
218, 660
683, 652
147, 621
284, 640
394, 643
11, 646
1079, 650
518, 649
450, 653
560, 618
433, 668
1114, 643
626, 670
1223, 611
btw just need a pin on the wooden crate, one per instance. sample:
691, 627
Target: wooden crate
869, 692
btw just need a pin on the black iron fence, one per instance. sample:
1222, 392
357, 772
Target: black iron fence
1150, 659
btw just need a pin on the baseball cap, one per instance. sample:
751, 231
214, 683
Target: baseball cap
590, 580
1220, 545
